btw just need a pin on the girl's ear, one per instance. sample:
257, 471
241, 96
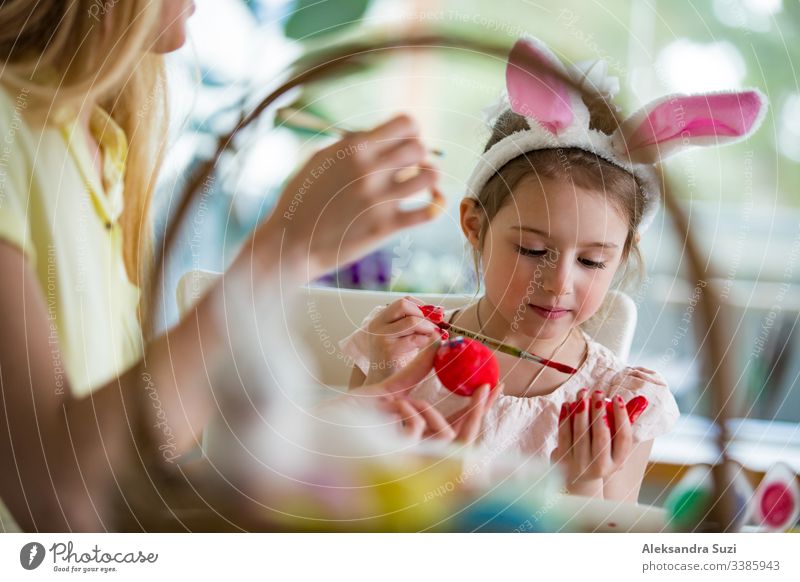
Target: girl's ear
677, 122
471, 221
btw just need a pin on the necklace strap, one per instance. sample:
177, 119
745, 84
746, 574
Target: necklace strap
552, 357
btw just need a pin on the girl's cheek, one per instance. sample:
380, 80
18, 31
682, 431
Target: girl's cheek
593, 295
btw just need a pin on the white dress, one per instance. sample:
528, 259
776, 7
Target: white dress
529, 424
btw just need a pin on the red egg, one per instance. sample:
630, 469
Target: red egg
463, 365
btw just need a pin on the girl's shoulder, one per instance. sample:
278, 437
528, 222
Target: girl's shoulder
604, 366
606, 371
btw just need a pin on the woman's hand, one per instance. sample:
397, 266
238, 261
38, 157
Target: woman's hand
346, 198
419, 419
586, 448
395, 336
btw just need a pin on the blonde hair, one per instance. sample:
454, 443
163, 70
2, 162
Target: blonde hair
65, 54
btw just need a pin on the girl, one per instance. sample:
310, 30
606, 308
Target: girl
555, 210
82, 117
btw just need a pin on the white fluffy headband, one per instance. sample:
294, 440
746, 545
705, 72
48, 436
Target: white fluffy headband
558, 118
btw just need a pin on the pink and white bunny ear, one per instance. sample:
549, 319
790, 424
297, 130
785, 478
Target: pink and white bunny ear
533, 91
677, 122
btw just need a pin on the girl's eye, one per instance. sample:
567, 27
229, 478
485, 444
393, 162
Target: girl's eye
531, 252
592, 264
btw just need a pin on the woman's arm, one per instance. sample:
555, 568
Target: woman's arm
61, 457
357, 378
50, 448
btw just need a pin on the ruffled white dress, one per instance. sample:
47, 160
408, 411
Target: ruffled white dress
529, 425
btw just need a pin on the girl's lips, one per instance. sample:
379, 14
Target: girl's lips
548, 312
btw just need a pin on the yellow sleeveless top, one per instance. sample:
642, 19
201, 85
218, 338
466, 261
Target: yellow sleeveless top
64, 218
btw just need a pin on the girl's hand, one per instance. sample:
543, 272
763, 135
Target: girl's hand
419, 419
586, 448
345, 200
395, 336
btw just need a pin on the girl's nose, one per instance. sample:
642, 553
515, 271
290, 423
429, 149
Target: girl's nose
557, 277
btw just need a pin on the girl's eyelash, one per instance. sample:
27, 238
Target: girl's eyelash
531, 252
593, 264
540, 253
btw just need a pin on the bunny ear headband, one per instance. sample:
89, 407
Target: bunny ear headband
558, 118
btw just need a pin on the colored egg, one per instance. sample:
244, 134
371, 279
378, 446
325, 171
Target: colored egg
463, 365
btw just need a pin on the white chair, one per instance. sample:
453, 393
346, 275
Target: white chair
332, 314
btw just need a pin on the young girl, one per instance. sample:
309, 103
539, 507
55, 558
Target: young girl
554, 213
82, 389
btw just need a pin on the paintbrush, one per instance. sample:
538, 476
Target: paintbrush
507, 349
291, 117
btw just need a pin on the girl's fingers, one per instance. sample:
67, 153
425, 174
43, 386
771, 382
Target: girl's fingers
414, 300
649, 375
397, 310
582, 450
494, 395
419, 340
564, 448
601, 434
470, 423
408, 325
623, 434
407, 348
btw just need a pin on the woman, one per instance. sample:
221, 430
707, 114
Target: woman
82, 117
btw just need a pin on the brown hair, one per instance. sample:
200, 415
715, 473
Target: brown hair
583, 168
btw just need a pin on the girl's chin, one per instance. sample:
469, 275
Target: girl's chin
543, 329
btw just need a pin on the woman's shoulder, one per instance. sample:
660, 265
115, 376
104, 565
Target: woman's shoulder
15, 130
10, 111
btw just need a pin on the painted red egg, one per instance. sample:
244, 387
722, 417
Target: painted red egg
463, 365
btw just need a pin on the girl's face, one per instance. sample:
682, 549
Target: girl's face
549, 255
171, 34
